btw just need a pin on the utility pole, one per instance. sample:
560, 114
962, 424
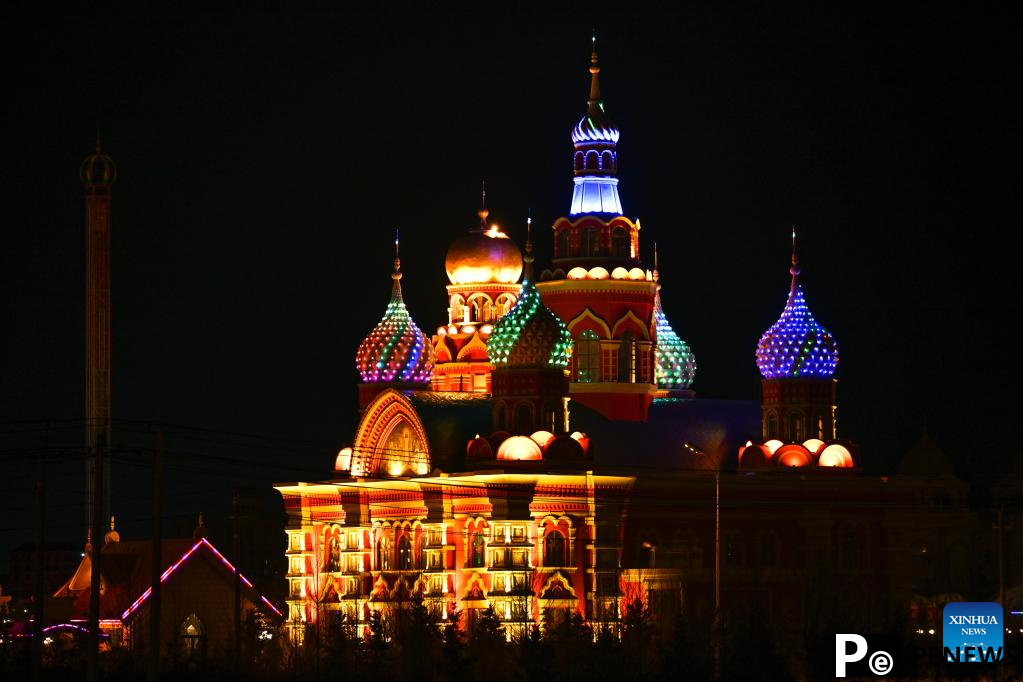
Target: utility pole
96, 552
157, 562
717, 625
237, 594
40, 590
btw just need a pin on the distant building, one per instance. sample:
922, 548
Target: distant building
197, 596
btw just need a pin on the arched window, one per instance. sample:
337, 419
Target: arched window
334, 553
193, 637
500, 417
405, 553
771, 429
563, 243
554, 549
627, 359
457, 306
578, 163
488, 312
620, 243
587, 357
383, 554
607, 161
524, 418
795, 427
477, 552
592, 161
590, 245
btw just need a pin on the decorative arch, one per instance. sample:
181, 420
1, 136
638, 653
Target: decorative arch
592, 160
480, 305
476, 349
629, 322
607, 160
442, 350
587, 319
390, 435
578, 161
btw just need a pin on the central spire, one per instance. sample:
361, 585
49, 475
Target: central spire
595, 163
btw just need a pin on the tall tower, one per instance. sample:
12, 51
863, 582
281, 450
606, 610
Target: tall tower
597, 284
483, 266
797, 359
529, 349
396, 354
98, 174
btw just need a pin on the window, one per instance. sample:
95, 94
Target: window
500, 416
627, 359
590, 243
334, 553
587, 357
795, 427
193, 637
592, 161
608, 363
479, 383
578, 165
524, 418
404, 553
620, 243
607, 161
477, 551
563, 243
383, 554
554, 549
771, 428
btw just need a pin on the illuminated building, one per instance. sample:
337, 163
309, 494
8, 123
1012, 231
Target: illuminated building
559, 461
197, 595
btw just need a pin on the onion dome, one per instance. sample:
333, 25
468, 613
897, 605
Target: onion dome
530, 335
674, 362
596, 125
483, 255
796, 346
396, 349
98, 169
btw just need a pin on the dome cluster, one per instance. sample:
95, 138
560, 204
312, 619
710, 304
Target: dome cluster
796, 346
541, 445
396, 349
811, 453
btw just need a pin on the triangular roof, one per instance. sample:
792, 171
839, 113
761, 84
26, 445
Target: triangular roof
926, 459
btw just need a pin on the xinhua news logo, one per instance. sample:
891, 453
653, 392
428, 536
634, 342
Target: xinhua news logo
973, 632
866, 655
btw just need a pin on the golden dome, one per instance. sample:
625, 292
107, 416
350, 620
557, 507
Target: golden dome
483, 256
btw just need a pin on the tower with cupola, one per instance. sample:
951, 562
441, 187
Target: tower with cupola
598, 286
483, 267
529, 348
396, 354
797, 357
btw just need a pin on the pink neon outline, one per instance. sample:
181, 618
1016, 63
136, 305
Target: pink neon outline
173, 567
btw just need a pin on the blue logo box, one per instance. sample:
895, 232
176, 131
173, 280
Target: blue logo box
976, 629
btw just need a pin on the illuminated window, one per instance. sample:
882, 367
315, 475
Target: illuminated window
554, 549
578, 165
591, 244
620, 243
587, 357
478, 551
479, 383
193, 638
404, 553
383, 554
334, 553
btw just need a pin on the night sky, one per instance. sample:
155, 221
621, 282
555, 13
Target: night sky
265, 161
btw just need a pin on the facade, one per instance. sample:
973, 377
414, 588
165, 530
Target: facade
550, 456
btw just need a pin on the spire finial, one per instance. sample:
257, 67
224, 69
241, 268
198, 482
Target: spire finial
396, 275
111, 522
527, 259
483, 212
795, 258
657, 274
594, 70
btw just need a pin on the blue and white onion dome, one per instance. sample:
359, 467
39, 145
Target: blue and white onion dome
396, 349
595, 125
796, 346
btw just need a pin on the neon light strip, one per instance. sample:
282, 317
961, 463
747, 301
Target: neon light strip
166, 574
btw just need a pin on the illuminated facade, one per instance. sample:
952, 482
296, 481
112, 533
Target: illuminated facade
560, 462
